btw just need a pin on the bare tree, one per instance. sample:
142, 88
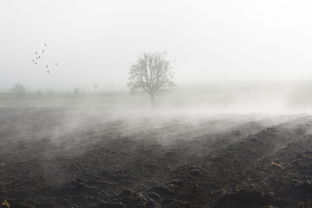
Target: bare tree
19, 89
151, 74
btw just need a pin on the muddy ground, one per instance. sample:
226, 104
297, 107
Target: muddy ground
56, 157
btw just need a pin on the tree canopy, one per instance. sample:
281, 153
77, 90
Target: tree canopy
151, 74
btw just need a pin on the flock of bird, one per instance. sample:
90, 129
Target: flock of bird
38, 59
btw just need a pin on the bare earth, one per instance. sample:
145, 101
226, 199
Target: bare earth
60, 157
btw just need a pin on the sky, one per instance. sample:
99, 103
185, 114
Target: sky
96, 41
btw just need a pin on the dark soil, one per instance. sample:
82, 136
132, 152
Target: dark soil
169, 163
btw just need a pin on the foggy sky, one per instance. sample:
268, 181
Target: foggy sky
95, 41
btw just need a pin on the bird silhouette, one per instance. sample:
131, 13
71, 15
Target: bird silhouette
40, 58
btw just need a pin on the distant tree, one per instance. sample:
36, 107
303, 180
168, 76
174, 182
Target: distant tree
76, 91
18, 88
95, 86
151, 74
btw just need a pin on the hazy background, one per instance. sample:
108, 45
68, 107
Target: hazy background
95, 41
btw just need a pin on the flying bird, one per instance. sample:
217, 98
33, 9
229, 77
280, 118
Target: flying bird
40, 58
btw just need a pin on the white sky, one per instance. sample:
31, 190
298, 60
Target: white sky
94, 41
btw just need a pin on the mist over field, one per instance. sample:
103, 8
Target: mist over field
233, 97
155, 104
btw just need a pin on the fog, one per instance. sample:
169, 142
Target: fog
227, 58
155, 103
96, 41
